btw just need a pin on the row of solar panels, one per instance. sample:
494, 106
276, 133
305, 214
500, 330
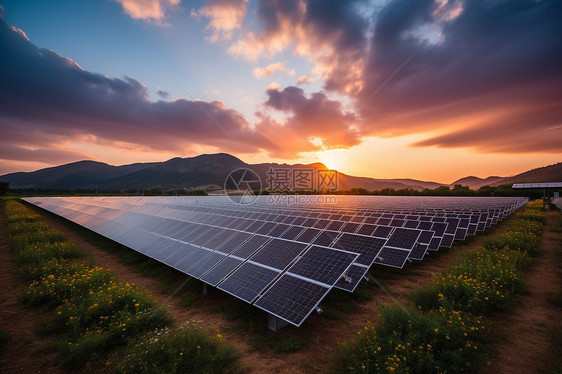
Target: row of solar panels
285, 268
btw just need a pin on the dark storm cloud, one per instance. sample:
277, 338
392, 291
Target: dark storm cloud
43, 92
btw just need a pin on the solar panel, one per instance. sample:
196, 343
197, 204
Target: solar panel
403, 238
352, 277
248, 281
250, 246
324, 265
418, 252
308, 235
284, 259
292, 233
382, 231
326, 238
216, 274
393, 257
278, 253
292, 298
367, 247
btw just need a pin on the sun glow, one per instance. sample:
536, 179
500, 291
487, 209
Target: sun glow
332, 159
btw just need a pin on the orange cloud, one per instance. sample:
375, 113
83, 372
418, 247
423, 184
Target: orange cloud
148, 10
225, 16
271, 69
310, 122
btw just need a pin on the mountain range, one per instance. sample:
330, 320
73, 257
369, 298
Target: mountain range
210, 170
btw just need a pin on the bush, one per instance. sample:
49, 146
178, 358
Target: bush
38, 253
519, 224
481, 282
121, 308
186, 349
24, 227
533, 215
55, 267
51, 290
408, 341
21, 241
514, 241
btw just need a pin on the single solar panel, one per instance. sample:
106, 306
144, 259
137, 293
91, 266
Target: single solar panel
292, 299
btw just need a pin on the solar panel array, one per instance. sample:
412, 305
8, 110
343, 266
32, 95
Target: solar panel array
283, 259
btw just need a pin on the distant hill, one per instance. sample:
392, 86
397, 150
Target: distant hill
212, 169
551, 173
475, 182
192, 172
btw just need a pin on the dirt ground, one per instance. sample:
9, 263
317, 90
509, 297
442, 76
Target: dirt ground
324, 335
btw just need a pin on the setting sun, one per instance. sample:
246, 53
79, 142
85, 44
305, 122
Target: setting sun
333, 159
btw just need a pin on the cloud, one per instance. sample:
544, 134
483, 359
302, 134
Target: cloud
492, 81
148, 10
47, 100
271, 69
163, 94
303, 79
225, 17
333, 35
438, 67
49, 156
310, 121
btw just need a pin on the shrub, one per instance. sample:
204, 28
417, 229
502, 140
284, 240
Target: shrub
55, 267
533, 215
186, 349
515, 241
519, 224
51, 290
38, 253
120, 307
23, 227
21, 241
481, 282
408, 341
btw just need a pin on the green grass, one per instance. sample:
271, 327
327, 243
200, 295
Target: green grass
514, 241
480, 282
183, 350
408, 341
37, 253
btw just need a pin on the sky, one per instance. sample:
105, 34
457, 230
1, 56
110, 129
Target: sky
426, 89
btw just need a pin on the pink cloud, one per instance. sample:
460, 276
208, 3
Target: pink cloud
225, 16
303, 79
148, 10
271, 69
